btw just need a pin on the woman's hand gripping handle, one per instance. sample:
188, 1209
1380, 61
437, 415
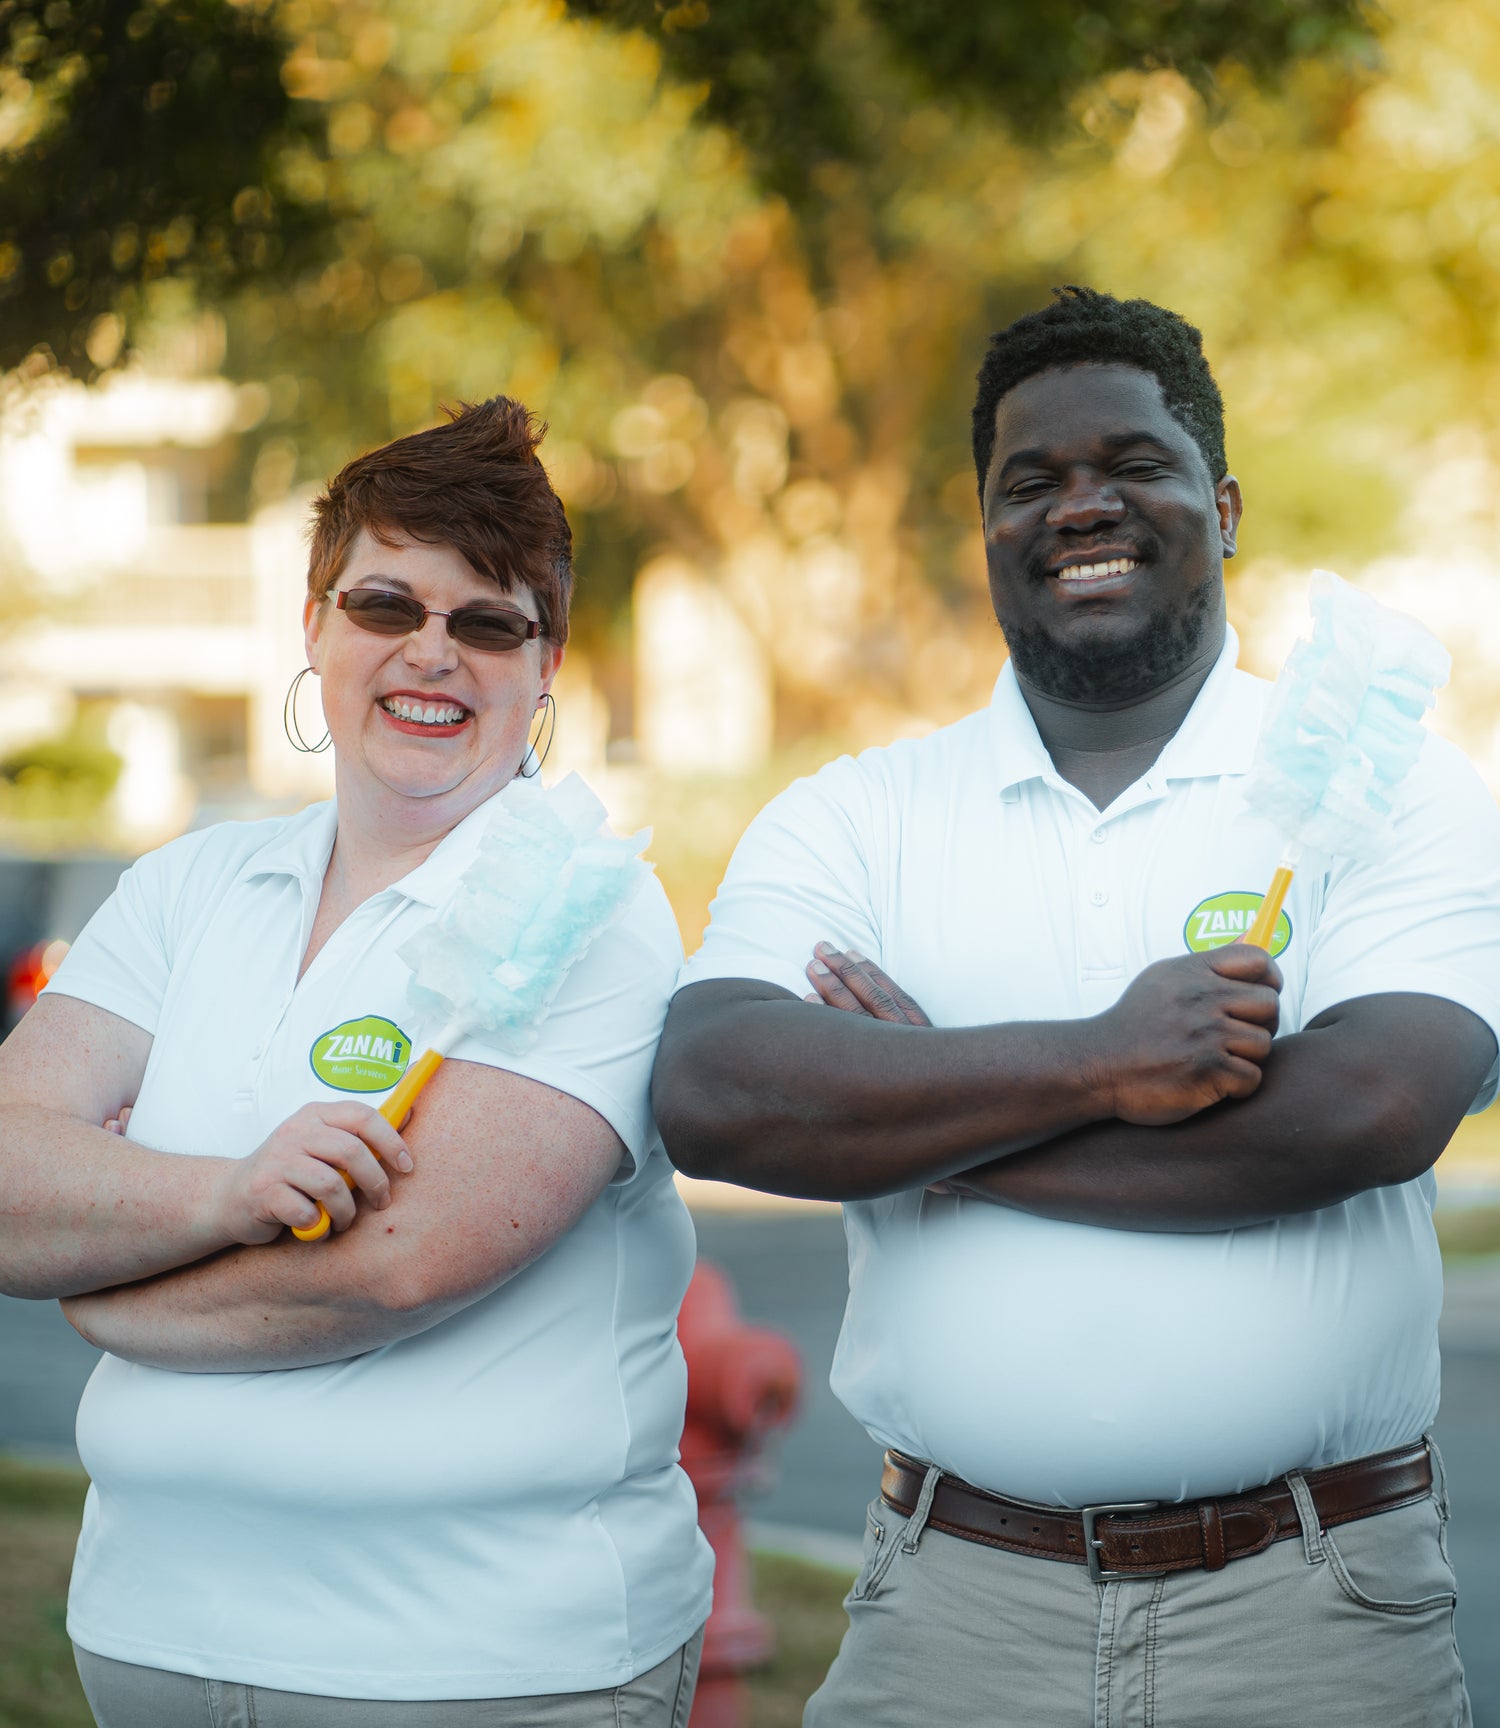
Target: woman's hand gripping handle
395, 1110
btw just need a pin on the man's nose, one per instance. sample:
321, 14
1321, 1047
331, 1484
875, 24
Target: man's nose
1083, 501
430, 649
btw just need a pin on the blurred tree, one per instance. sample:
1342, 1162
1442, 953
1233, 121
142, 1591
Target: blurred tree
769, 79
578, 204
136, 142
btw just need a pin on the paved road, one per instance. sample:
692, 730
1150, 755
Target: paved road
789, 1270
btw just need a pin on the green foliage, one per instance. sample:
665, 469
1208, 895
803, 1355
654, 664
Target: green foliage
56, 789
141, 140
1026, 61
772, 76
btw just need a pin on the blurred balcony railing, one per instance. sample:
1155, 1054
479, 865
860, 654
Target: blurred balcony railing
191, 577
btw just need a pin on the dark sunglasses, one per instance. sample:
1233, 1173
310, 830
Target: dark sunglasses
490, 629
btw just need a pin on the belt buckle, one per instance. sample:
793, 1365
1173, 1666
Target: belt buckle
1091, 1545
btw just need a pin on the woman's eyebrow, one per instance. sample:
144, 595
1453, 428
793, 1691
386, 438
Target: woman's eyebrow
378, 579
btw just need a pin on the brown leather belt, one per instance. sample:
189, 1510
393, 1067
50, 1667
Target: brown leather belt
1147, 1538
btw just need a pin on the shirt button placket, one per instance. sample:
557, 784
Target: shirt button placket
1101, 945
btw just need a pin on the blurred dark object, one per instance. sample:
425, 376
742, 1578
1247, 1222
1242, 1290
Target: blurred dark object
43, 901
742, 1384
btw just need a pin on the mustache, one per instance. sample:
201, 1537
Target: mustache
1039, 565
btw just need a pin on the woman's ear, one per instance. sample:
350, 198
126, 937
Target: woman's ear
552, 658
313, 610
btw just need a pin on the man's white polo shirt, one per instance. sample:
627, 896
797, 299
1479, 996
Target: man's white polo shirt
490, 1509
1075, 1365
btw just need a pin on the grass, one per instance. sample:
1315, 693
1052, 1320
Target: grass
40, 1508
39, 1513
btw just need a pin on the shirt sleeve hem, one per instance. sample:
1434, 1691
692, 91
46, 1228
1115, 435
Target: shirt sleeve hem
786, 976
138, 1011
630, 1123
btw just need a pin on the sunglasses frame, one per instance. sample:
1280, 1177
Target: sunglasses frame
451, 619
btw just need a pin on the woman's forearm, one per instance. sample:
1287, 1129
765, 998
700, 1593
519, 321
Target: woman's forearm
82, 1209
248, 1310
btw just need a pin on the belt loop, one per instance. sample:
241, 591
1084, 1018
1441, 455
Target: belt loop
1439, 1475
1307, 1517
917, 1523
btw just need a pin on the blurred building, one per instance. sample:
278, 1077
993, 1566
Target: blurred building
179, 630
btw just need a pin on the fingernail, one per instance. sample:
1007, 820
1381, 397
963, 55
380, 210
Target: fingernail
824, 948
404, 1162
818, 967
855, 955
815, 999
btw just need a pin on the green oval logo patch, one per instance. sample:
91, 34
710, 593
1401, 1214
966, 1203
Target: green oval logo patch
1225, 918
368, 1055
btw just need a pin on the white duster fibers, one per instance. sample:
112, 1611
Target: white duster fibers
548, 877
1344, 723
1341, 732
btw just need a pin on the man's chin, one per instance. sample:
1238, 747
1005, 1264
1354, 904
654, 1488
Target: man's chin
1105, 660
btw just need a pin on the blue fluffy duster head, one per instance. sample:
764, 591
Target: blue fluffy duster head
548, 877
1344, 723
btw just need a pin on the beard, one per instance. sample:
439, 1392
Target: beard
1120, 669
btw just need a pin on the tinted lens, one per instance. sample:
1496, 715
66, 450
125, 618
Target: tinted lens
490, 629
385, 614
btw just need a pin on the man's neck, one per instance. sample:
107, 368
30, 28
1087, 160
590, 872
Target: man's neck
1101, 748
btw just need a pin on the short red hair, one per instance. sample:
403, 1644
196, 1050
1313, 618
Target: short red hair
474, 484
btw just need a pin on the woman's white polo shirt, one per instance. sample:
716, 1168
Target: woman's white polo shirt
530, 1531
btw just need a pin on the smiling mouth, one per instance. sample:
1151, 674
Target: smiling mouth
1085, 573
416, 713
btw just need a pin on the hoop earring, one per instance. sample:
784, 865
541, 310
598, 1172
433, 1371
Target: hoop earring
289, 720
549, 726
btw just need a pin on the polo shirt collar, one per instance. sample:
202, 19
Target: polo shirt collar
304, 845
1216, 737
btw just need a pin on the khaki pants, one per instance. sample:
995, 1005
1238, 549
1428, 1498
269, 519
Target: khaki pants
122, 1695
1350, 1629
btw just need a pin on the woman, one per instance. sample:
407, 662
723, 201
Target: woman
432, 1458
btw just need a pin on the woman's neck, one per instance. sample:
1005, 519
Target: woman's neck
383, 836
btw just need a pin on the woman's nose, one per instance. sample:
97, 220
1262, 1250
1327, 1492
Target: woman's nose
431, 648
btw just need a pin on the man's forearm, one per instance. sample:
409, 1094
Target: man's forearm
774, 1094
81, 1209
1329, 1120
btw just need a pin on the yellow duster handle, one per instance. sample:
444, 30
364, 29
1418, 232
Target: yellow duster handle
1259, 933
395, 1110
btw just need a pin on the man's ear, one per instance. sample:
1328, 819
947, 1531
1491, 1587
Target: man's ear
1230, 506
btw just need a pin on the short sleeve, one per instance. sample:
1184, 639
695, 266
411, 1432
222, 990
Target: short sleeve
802, 874
122, 959
597, 1041
1425, 918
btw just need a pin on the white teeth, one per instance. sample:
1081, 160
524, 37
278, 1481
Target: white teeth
1092, 572
425, 714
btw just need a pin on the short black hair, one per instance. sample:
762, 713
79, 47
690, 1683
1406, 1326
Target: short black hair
1084, 327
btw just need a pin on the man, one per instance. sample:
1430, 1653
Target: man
1143, 1305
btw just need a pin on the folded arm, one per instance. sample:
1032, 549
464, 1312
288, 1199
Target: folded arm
754, 1087
503, 1167
84, 1209
1368, 1094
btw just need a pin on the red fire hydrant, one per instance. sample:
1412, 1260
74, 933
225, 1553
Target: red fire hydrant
742, 1383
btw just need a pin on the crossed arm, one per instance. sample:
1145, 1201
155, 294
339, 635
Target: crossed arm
502, 1167
1172, 1111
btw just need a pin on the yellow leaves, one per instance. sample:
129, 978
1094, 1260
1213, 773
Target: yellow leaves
756, 434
